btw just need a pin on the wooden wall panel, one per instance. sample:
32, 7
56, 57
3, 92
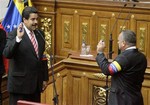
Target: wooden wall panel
70, 21
146, 95
94, 84
85, 29
64, 96
79, 82
148, 40
76, 20
67, 32
103, 33
92, 25
76, 90
86, 25
142, 36
91, 20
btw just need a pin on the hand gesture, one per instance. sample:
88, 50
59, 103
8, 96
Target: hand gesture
20, 31
101, 46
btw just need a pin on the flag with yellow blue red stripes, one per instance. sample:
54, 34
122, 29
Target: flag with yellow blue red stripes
13, 16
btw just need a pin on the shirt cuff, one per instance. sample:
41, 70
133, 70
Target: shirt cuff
17, 39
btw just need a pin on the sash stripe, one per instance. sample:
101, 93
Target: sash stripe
114, 67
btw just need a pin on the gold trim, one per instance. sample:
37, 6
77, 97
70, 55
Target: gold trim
47, 28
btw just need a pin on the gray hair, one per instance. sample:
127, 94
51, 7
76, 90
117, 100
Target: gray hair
129, 37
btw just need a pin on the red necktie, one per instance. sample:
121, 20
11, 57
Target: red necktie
34, 43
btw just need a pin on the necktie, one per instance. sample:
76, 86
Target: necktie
34, 43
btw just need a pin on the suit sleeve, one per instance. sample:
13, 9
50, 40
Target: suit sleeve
111, 68
11, 45
103, 63
45, 68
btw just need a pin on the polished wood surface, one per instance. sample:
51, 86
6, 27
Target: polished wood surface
76, 79
74, 21
5, 95
90, 20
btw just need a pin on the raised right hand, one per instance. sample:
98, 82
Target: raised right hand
20, 31
101, 46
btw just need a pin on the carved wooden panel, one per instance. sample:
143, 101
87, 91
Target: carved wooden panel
90, 21
78, 82
103, 31
142, 36
85, 29
99, 95
92, 25
146, 90
67, 31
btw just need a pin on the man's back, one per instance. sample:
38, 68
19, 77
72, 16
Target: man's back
127, 83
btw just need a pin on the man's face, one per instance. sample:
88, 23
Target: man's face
121, 42
32, 22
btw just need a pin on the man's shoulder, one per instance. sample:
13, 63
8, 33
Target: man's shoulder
13, 31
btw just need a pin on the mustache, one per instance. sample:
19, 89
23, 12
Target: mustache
34, 24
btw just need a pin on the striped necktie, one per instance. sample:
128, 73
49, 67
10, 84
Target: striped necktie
34, 43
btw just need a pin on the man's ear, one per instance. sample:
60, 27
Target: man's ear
123, 43
23, 19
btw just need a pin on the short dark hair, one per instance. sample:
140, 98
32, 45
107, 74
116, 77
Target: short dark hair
130, 37
27, 11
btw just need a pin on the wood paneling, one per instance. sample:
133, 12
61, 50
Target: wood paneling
90, 21
73, 21
77, 83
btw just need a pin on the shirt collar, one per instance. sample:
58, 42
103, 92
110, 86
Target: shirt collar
27, 30
133, 47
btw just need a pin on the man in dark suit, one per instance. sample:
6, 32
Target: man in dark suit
2, 68
127, 70
27, 76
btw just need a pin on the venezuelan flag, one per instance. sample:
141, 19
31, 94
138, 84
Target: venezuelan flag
1, 27
13, 16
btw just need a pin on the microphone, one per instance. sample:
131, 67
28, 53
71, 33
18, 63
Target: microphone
110, 50
118, 18
40, 34
51, 56
129, 13
125, 22
111, 40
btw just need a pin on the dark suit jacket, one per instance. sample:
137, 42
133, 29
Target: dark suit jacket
126, 84
26, 71
2, 45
